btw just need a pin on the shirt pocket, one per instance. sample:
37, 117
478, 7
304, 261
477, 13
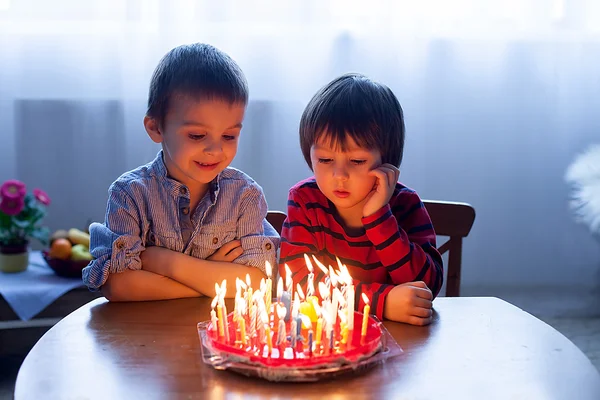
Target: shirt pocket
162, 238
207, 243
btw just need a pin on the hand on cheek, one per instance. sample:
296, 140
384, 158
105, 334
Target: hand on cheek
386, 176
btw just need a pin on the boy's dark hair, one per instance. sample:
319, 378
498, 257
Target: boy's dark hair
354, 105
198, 70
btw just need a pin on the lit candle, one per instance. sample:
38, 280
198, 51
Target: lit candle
268, 339
310, 342
319, 329
335, 295
349, 294
310, 284
224, 309
281, 312
365, 320
269, 286
249, 292
217, 321
242, 322
343, 329
286, 296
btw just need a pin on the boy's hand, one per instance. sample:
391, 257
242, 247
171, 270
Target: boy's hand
386, 177
410, 303
228, 252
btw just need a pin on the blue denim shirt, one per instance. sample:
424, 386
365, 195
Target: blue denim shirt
147, 208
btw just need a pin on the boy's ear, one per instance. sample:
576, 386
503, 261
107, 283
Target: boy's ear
153, 129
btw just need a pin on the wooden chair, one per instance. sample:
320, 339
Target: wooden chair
449, 219
455, 221
276, 219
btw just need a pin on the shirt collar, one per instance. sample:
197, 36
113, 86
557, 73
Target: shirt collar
159, 169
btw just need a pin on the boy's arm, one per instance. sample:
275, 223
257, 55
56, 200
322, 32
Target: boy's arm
197, 274
116, 247
259, 243
142, 285
405, 242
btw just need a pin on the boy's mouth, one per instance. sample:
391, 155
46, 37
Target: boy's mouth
206, 166
342, 194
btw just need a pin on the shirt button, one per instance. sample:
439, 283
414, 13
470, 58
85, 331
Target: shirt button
182, 190
185, 210
268, 246
215, 240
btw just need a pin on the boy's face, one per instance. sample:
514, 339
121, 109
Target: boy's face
199, 138
343, 176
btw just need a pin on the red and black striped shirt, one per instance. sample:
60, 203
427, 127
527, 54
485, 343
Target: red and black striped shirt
396, 245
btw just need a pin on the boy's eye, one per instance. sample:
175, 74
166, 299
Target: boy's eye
229, 137
358, 162
325, 160
195, 136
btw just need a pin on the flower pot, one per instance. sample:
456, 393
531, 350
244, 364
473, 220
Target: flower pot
14, 258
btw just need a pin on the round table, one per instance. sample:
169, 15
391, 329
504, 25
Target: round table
475, 348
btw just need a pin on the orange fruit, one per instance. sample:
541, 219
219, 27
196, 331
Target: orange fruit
61, 249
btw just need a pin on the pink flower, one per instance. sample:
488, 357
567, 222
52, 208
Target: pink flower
11, 206
13, 189
41, 196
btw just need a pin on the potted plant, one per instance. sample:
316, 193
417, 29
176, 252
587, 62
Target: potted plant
20, 221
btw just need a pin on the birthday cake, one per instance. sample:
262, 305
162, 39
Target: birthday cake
292, 334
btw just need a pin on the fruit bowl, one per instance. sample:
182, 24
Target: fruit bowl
66, 268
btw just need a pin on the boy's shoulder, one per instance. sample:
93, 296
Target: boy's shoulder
234, 179
404, 195
137, 177
307, 190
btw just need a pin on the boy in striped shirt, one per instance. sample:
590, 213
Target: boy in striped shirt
352, 137
186, 220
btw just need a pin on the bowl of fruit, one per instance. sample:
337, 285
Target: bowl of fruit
69, 252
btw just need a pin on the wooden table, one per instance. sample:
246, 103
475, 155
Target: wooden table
480, 348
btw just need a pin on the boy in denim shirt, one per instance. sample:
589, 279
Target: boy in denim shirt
186, 220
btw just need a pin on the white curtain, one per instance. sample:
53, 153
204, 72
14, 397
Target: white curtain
499, 97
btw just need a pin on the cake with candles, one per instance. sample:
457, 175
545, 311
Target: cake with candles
311, 327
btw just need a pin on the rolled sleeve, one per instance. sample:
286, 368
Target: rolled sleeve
115, 245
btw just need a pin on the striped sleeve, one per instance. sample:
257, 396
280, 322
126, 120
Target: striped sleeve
405, 241
376, 293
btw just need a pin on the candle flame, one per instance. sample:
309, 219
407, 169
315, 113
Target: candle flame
263, 285
248, 280
268, 268
333, 276
321, 266
306, 323
365, 298
217, 289
281, 311
213, 304
279, 288
299, 291
308, 263
323, 290
223, 288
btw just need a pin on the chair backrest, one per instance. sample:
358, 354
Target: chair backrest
455, 221
276, 219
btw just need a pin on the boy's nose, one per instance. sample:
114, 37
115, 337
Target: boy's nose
213, 147
340, 173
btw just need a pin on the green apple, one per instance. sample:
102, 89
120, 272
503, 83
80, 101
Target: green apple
80, 252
